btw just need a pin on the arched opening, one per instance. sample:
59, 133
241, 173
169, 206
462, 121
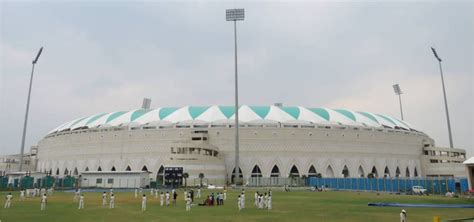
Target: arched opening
329, 172
373, 173
386, 172
128, 168
407, 173
233, 175
256, 172
275, 172
66, 172
294, 171
159, 175
113, 168
99, 169
360, 172
144, 168
345, 172
312, 172
415, 173
57, 171
76, 172
397, 172
87, 169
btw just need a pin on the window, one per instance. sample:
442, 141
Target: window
98, 181
110, 180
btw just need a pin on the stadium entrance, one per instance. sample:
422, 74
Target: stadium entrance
173, 176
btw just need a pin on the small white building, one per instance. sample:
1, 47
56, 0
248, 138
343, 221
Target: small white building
470, 172
115, 179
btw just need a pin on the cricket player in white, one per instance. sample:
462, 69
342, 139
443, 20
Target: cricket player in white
50, 191
104, 198
188, 204
162, 197
143, 202
269, 202
242, 200
76, 195
225, 194
265, 201
239, 204
111, 192
112, 202
140, 191
198, 195
167, 198
44, 200
22, 195
136, 193
8, 201
185, 195
81, 202
256, 198
156, 193
403, 216
151, 192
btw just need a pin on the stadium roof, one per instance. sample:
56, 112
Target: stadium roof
201, 115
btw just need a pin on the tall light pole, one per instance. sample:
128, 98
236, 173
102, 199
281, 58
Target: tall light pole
27, 109
236, 15
398, 91
444, 93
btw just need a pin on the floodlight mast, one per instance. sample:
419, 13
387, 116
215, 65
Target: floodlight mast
444, 94
236, 15
398, 91
27, 109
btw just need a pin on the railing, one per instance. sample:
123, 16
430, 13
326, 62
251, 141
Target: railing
392, 185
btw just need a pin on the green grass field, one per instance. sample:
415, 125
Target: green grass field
291, 206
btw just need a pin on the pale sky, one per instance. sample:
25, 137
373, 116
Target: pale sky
106, 56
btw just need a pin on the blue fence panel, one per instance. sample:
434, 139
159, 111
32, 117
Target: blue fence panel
354, 184
451, 185
380, 185
433, 185
464, 185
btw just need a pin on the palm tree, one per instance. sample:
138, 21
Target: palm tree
201, 176
185, 176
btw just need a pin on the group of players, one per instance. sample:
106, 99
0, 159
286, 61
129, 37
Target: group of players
262, 201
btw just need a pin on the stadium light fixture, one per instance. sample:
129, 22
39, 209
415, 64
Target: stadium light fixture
236, 15
398, 91
444, 94
28, 108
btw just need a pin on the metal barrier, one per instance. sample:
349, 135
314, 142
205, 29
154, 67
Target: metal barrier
433, 185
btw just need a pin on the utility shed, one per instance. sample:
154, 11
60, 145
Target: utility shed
115, 179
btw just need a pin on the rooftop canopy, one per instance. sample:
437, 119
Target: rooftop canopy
202, 115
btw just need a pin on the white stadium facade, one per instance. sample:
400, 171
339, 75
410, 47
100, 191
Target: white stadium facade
275, 141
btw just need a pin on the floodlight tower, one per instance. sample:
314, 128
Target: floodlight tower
444, 93
27, 109
398, 91
236, 15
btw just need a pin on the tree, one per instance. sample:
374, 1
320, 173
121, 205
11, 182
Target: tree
185, 176
201, 176
319, 175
